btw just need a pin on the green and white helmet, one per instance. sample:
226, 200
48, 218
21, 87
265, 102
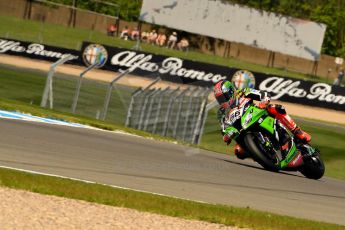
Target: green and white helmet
224, 91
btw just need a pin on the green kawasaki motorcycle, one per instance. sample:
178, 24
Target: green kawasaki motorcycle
269, 143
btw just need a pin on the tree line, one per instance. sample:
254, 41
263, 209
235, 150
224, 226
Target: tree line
329, 12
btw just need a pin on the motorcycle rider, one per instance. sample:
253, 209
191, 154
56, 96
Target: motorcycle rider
228, 98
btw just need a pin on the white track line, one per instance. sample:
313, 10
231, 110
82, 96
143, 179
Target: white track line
92, 182
28, 117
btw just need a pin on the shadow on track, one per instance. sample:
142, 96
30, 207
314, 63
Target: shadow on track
260, 168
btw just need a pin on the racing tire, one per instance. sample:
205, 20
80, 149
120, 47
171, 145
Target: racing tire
313, 167
258, 155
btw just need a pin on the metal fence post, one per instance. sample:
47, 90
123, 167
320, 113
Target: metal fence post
160, 107
197, 127
109, 92
48, 89
179, 113
152, 83
129, 112
152, 100
76, 95
51, 98
168, 114
201, 125
197, 105
143, 108
188, 112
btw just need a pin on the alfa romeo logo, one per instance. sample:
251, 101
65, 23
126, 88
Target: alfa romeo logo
243, 79
95, 53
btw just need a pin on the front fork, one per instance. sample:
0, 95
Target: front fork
269, 148
265, 142
307, 151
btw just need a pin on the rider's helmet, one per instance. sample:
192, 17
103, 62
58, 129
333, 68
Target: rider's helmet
224, 92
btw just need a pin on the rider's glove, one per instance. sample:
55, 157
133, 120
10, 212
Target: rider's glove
240, 93
227, 139
264, 102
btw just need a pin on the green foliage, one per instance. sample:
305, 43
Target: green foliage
125, 9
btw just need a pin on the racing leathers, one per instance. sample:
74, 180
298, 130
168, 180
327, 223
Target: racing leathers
278, 111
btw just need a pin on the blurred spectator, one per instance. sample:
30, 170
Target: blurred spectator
339, 79
152, 37
111, 29
125, 33
183, 44
172, 40
135, 34
145, 36
160, 41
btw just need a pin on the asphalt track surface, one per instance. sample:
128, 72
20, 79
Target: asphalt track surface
166, 168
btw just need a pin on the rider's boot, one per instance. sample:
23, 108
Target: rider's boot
279, 112
240, 153
301, 135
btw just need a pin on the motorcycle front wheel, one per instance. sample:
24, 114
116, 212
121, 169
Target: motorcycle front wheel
259, 154
313, 167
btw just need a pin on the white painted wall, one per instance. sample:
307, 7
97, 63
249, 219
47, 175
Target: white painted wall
236, 23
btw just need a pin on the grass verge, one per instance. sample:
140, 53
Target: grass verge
227, 215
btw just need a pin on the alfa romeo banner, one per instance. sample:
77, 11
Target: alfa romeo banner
150, 65
37, 51
302, 92
196, 73
183, 71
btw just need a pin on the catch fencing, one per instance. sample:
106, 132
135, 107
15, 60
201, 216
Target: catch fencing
169, 112
177, 113
87, 97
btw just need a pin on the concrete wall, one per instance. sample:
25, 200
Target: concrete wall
234, 22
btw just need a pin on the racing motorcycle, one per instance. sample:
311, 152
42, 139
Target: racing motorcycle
269, 143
